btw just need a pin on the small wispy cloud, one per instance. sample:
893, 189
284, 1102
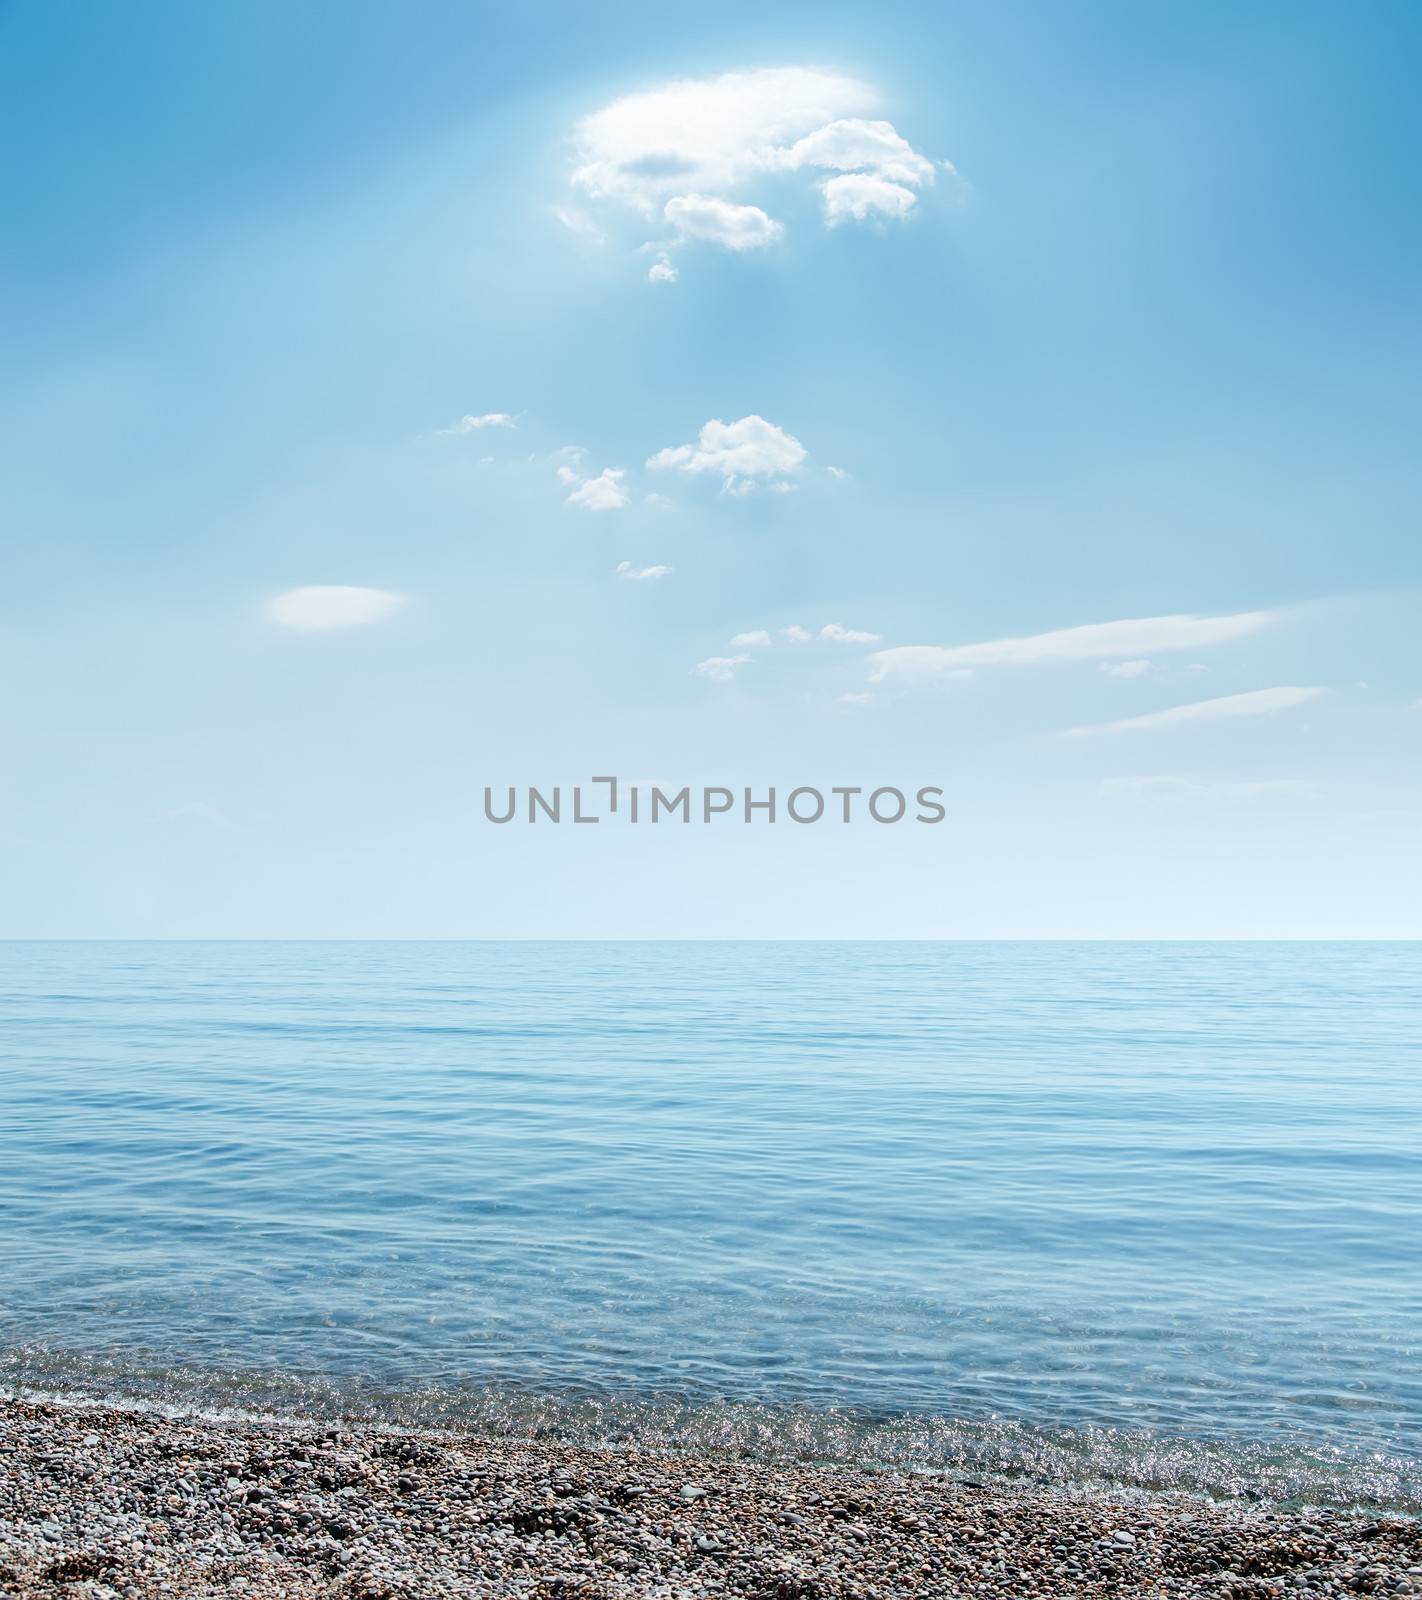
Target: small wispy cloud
1253, 703
720, 669
1124, 669
579, 224
331, 606
631, 574
915, 664
795, 633
1133, 638
490, 419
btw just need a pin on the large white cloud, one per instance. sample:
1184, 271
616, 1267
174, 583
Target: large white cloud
1142, 636
683, 150
331, 605
1253, 703
739, 451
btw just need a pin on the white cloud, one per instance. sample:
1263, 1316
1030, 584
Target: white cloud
579, 223
662, 270
837, 472
606, 492
858, 196
854, 145
658, 502
723, 222
632, 574
916, 663
720, 669
332, 606
490, 419
863, 698
684, 149
1093, 641
1124, 669
1254, 703
793, 633
1177, 788
740, 451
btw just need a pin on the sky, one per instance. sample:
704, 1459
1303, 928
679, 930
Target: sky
1018, 399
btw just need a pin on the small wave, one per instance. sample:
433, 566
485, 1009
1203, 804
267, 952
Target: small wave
1081, 1460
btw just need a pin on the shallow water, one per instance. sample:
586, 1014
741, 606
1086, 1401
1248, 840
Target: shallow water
1150, 1212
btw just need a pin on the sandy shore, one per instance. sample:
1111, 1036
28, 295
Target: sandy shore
101, 1502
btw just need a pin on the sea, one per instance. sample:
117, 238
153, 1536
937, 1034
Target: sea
1141, 1215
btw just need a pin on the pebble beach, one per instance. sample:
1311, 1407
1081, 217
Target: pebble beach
103, 1502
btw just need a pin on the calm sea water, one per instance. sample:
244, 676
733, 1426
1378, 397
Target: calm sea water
1143, 1212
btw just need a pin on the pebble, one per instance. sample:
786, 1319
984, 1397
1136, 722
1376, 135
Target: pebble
179, 1509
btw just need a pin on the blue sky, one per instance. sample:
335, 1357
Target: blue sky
1018, 320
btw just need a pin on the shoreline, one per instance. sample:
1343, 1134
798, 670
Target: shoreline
99, 1501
